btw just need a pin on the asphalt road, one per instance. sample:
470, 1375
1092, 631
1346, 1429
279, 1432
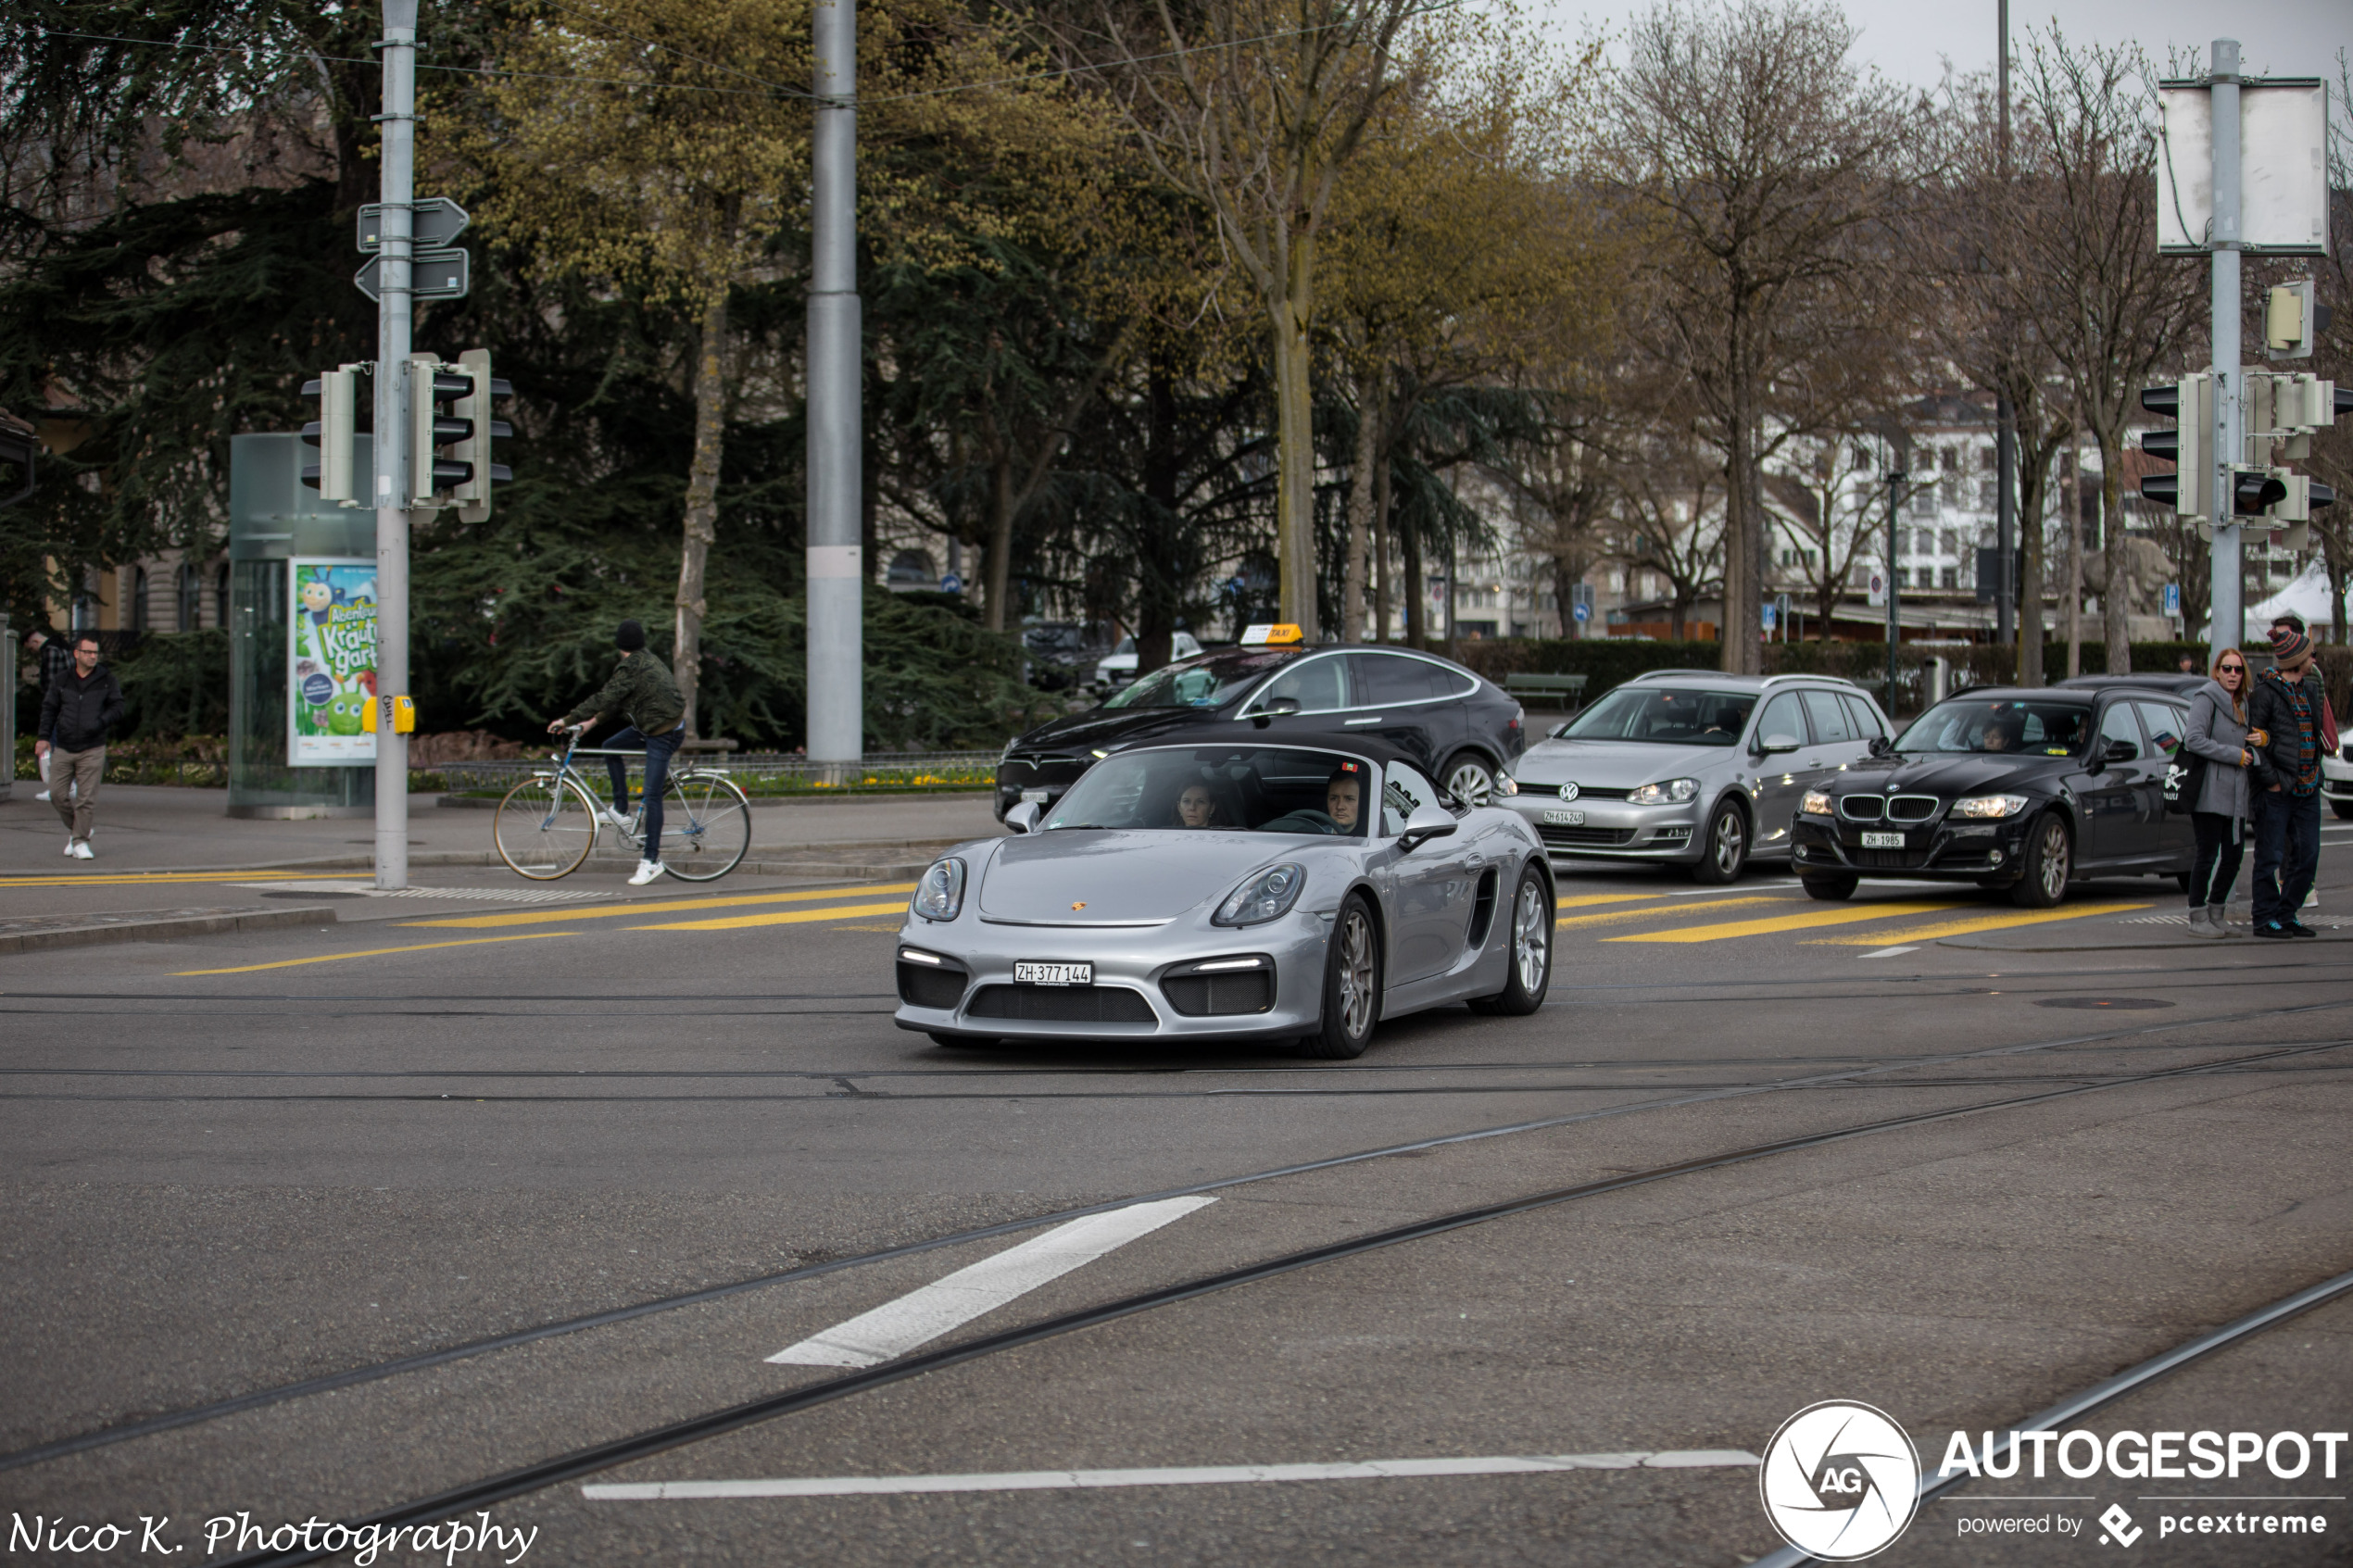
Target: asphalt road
237, 1162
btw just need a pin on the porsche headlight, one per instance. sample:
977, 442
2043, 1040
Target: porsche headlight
1669, 791
1989, 806
940, 894
1815, 804
1265, 896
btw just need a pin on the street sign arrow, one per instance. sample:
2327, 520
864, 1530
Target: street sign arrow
435, 221
432, 274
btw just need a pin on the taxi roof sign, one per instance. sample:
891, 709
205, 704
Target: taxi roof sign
1268, 635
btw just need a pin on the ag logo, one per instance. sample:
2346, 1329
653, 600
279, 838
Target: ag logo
1839, 1480
1568, 791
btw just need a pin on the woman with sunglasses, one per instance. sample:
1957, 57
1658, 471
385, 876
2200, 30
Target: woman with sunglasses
2218, 737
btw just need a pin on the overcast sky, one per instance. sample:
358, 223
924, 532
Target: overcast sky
1911, 41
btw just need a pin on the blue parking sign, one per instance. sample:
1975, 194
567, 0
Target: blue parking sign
2172, 598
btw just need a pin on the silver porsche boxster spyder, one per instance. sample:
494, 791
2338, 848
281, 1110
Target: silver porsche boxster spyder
1234, 891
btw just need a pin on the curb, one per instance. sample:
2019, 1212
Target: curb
96, 933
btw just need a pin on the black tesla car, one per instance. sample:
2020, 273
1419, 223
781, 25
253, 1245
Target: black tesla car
2027, 789
1459, 727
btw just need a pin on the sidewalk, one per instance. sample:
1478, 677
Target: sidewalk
158, 827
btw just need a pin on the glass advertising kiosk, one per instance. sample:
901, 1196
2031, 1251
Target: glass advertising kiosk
301, 638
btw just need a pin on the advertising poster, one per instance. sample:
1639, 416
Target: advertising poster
331, 664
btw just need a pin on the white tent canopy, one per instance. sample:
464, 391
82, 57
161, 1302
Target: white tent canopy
2307, 595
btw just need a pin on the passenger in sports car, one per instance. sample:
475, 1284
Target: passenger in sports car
1195, 808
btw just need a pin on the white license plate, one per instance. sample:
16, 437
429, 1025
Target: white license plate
1034, 796
1565, 819
1054, 975
1882, 841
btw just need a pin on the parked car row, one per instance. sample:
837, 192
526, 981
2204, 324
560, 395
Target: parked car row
1279, 841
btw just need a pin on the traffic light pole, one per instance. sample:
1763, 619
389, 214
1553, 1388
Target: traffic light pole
2227, 619
394, 315
836, 572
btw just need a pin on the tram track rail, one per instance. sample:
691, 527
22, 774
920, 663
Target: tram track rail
593, 1459
1684, 1096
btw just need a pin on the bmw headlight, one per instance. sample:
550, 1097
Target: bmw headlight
940, 895
1815, 804
1268, 893
1667, 792
1989, 806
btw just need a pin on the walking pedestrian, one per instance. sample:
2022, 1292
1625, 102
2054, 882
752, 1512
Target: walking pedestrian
2216, 752
2284, 715
55, 660
76, 713
641, 691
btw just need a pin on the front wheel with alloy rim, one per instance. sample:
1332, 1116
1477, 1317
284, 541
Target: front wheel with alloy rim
1352, 984
1531, 952
1468, 779
2050, 855
1830, 889
1724, 848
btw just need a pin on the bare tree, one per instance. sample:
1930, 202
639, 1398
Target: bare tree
2112, 312
1254, 108
1771, 164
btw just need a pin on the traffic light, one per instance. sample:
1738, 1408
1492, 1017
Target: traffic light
471, 494
2189, 489
432, 384
334, 432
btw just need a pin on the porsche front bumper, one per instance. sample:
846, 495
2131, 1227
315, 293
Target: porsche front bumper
956, 978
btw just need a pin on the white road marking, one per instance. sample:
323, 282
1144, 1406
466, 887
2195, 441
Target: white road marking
1890, 952
922, 1316
1204, 1476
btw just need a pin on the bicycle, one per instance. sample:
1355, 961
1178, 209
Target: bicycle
547, 825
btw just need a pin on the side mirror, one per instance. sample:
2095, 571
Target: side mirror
2120, 751
1426, 822
1768, 745
1880, 746
1280, 707
1024, 817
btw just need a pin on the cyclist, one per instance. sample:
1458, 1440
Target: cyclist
642, 692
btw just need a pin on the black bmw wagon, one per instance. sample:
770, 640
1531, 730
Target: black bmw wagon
2023, 789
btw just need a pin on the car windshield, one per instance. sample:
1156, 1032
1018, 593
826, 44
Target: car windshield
1237, 788
1665, 716
2035, 727
1208, 681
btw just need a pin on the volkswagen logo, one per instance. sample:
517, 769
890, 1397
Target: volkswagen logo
1568, 791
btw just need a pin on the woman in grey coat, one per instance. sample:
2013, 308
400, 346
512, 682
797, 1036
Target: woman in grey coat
2217, 733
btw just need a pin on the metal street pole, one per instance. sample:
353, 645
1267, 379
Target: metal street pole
2006, 417
1896, 478
2228, 622
836, 574
393, 317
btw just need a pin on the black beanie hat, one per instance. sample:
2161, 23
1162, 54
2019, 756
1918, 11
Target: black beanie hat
629, 636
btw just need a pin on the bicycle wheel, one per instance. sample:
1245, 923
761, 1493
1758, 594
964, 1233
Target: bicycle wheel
546, 827
706, 826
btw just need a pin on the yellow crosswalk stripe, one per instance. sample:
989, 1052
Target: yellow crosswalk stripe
668, 906
1613, 915
376, 953
1603, 899
1842, 915
789, 917
1974, 924
132, 879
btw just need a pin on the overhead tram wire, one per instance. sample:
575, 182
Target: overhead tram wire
675, 1434
420, 1361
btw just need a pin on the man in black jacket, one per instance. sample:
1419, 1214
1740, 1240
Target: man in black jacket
79, 709
2285, 706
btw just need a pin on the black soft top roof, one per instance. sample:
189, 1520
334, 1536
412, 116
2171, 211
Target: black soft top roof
1226, 732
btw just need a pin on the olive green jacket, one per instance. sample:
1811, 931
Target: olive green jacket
640, 691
